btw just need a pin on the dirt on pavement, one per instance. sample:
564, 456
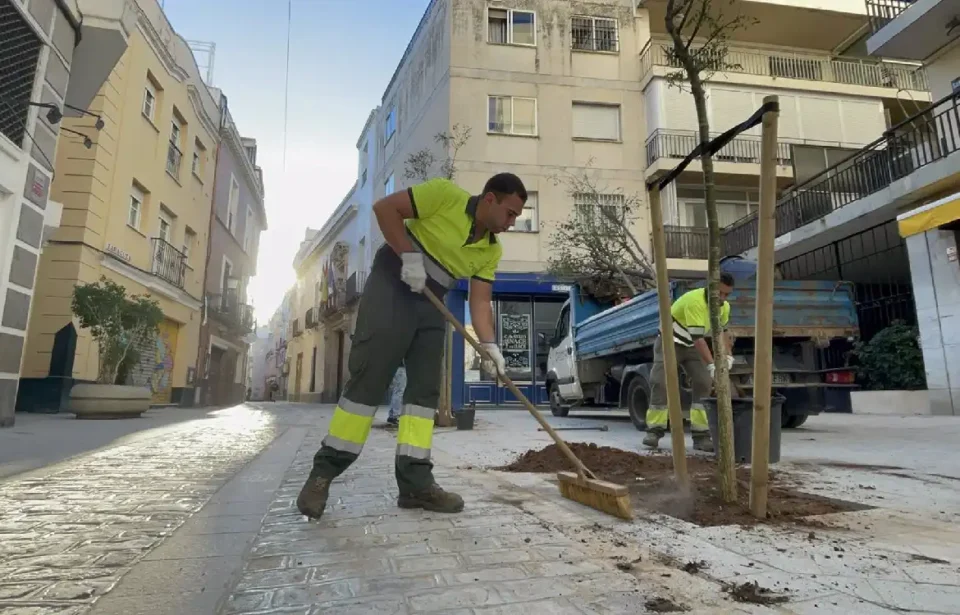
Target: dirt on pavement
650, 480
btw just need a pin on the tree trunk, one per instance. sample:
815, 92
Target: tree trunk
728, 481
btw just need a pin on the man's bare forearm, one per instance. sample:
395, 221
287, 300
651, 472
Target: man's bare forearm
481, 316
704, 351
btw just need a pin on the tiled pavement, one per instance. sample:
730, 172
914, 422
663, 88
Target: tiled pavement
96, 536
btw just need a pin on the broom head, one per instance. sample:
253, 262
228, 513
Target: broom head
610, 498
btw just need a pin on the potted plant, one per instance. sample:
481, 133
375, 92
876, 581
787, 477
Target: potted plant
119, 324
890, 367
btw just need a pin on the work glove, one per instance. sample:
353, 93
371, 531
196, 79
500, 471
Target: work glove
712, 368
729, 362
412, 273
496, 363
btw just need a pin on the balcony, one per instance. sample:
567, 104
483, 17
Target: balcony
355, 287
174, 157
687, 242
228, 310
106, 26
915, 143
169, 263
910, 29
676, 144
798, 66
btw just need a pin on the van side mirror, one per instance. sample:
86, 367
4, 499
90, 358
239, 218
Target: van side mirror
542, 338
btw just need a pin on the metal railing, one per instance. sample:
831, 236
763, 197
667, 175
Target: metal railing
594, 34
228, 309
686, 241
169, 263
676, 144
802, 66
19, 54
174, 157
882, 12
919, 140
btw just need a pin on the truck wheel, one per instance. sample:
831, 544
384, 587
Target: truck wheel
637, 403
792, 421
556, 402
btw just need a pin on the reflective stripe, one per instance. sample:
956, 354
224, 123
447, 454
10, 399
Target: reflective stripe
657, 418
697, 331
418, 411
408, 450
350, 427
698, 418
356, 408
415, 431
434, 269
681, 335
342, 445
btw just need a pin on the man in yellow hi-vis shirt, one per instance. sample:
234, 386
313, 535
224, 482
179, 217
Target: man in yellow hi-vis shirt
691, 325
436, 233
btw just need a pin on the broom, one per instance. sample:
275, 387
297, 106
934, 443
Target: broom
581, 486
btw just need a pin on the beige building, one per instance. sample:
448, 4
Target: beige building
136, 209
549, 87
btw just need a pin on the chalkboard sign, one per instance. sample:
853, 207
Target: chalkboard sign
515, 341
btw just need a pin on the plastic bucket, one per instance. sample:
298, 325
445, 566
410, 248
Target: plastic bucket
743, 426
465, 418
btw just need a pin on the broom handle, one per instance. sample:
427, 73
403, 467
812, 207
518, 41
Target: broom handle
581, 469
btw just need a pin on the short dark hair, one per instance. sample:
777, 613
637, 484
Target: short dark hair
726, 278
503, 184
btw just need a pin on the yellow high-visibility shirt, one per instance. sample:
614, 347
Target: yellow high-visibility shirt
691, 316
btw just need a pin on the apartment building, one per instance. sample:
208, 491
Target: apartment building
136, 209
235, 226
550, 88
54, 56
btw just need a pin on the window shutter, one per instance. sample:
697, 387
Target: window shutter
592, 121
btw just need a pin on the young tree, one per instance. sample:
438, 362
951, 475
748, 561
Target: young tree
699, 31
419, 166
596, 246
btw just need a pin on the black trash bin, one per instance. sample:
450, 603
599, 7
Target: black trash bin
743, 426
465, 418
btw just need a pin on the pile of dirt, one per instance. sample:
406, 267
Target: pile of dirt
753, 593
650, 480
664, 605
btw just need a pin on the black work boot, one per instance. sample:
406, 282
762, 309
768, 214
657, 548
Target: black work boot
313, 497
432, 498
652, 439
702, 442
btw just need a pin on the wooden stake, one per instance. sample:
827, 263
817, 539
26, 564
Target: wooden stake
669, 351
763, 339
444, 417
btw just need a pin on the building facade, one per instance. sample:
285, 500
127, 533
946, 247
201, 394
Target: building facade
136, 210
235, 226
549, 89
54, 57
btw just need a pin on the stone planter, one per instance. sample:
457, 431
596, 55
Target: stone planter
891, 403
109, 401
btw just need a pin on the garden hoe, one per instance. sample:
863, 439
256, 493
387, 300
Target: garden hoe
580, 486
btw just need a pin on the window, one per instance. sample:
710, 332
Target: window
149, 101
164, 228
189, 239
390, 125
248, 231
595, 34
363, 178
732, 204
195, 165
598, 210
388, 186
528, 221
199, 152
137, 198
510, 115
596, 121
510, 27
233, 201
173, 150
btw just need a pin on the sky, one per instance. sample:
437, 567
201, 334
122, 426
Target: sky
342, 55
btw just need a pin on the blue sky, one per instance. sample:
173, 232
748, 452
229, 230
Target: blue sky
343, 53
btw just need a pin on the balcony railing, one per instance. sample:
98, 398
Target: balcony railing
676, 144
916, 142
806, 67
227, 309
169, 263
174, 156
686, 241
882, 12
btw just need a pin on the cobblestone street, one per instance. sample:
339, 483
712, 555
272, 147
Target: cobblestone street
199, 518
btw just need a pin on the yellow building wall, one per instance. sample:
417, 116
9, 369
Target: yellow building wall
95, 185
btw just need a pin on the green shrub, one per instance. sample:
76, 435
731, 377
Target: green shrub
892, 360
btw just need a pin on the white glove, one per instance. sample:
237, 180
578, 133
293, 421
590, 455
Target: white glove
496, 364
712, 368
412, 273
729, 362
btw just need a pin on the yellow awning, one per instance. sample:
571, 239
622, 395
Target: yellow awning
929, 216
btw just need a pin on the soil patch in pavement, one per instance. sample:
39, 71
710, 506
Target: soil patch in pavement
753, 593
663, 605
650, 480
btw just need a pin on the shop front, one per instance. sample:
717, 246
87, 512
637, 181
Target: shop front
524, 304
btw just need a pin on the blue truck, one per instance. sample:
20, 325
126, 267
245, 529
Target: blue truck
601, 356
